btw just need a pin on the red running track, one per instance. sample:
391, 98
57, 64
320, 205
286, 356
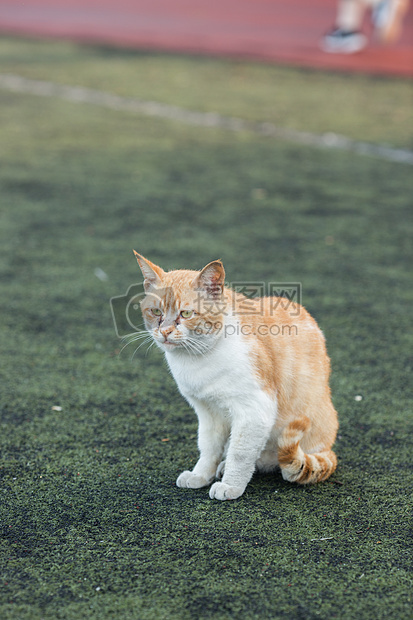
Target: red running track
281, 31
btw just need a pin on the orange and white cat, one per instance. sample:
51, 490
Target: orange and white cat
258, 382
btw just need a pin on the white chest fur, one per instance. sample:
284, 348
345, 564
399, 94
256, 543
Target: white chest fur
224, 376
203, 375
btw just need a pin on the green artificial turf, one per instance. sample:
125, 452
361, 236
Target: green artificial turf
93, 525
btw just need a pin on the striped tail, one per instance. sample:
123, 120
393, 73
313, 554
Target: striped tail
296, 466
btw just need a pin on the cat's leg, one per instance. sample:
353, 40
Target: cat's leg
221, 467
249, 434
213, 431
267, 461
220, 470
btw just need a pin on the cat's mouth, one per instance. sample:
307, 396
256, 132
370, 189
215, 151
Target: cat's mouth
169, 343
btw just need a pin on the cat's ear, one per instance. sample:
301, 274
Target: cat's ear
211, 279
152, 273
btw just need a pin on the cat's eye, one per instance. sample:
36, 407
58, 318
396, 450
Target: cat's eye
186, 314
156, 311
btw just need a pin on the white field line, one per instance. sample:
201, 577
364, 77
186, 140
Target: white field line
79, 94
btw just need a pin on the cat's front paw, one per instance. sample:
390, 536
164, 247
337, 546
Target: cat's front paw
221, 490
189, 480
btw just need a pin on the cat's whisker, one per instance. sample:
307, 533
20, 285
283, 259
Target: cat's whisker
197, 342
196, 349
193, 345
126, 345
149, 348
192, 348
186, 344
145, 341
134, 336
132, 339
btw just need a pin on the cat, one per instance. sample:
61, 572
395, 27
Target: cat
258, 382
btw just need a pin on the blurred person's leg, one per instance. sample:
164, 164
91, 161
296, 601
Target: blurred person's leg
350, 14
347, 38
388, 18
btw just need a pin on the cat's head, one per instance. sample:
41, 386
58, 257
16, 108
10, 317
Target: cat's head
184, 310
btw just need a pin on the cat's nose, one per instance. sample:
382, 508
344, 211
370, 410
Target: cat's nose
165, 331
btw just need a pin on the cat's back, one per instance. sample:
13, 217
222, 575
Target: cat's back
277, 321
287, 347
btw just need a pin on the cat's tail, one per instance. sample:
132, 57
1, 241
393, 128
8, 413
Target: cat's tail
296, 465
